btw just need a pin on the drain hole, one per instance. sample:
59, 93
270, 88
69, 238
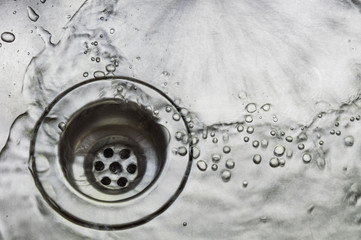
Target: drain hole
131, 168
108, 153
115, 167
105, 181
124, 154
122, 182
99, 165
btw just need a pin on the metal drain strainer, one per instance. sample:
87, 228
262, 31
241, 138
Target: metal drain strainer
101, 154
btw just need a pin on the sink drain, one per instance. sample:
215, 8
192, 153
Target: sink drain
101, 153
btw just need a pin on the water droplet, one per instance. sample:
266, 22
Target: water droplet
358, 117
349, 140
248, 119
184, 224
98, 74
245, 184
246, 139
97, 59
255, 143
289, 139
176, 117
332, 132
8, 37
168, 109
352, 119
33, 16
226, 175
182, 151
214, 167
240, 128
179, 135
319, 115
274, 162
338, 132
273, 133
42, 1
251, 107
301, 146
264, 143
226, 149
275, 119
194, 140
279, 150
250, 130
61, 126
195, 152
202, 165
215, 140
212, 134
216, 157
230, 164
257, 159
112, 30
321, 142
92, 58
266, 107
95, 43
85, 74
110, 68
306, 158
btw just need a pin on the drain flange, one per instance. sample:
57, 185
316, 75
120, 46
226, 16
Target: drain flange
112, 153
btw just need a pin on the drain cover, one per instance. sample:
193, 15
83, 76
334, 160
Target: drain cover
101, 153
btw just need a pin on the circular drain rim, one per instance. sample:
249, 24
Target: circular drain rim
81, 221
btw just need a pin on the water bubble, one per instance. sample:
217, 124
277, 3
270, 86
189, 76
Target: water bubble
246, 139
352, 119
85, 74
33, 16
319, 115
14, 12
251, 107
8, 37
212, 134
273, 133
92, 58
289, 153
202, 165
257, 159
61, 126
42, 1
184, 224
215, 140
168, 109
110, 68
95, 43
230, 164
274, 162
42, 164
98, 74
358, 117
321, 142
248, 119
301, 146
240, 128
264, 143
182, 151
194, 140
226, 149
97, 59
275, 119
179, 135
112, 30
216, 157
306, 158
289, 139
250, 130
338, 132
184, 112
255, 143
332, 132
266, 107
279, 150
302, 136
176, 117
226, 175
349, 140
282, 162
245, 184
337, 124
214, 167
195, 152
